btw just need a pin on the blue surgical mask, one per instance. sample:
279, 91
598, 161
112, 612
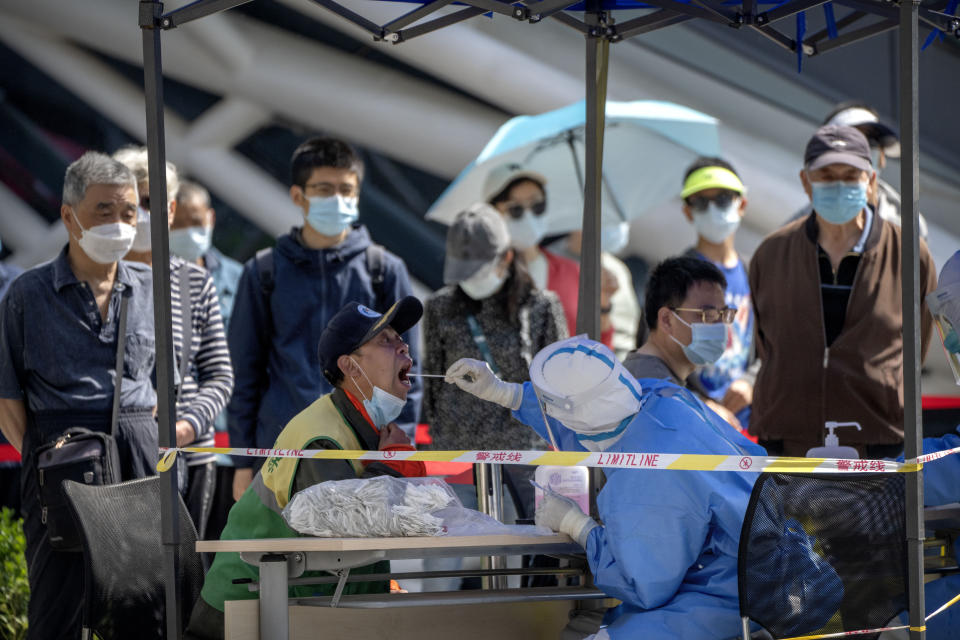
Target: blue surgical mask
332, 215
707, 344
190, 243
382, 407
839, 202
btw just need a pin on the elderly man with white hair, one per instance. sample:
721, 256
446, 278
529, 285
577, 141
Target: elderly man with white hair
60, 335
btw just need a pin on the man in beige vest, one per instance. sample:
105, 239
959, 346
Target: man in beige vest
366, 361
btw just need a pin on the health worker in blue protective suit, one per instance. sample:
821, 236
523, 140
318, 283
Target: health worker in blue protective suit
668, 544
941, 485
941, 478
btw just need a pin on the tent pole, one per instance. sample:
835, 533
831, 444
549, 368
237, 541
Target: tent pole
598, 52
910, 196
588, 309
150, 13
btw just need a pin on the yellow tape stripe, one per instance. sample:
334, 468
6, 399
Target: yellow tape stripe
923, 628
794, 465
943, 608
561, 458
697, 462
436, 456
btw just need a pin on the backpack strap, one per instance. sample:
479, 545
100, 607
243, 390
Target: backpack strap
265, 270
377, 270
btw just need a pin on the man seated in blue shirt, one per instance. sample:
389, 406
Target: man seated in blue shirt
289, 293
58, 343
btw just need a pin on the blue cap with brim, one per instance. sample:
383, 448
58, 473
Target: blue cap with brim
356, 324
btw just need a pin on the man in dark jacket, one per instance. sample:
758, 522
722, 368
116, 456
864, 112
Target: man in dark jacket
288, 294
826, 294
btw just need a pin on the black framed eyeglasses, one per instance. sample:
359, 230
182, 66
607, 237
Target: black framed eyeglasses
723, 200
327, 189
538, 208
711, 315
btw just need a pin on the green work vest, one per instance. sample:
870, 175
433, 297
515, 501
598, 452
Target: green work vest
257, 513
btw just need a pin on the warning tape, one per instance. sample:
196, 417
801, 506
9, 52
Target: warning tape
602, 460
936, 455
844, 634
863, 632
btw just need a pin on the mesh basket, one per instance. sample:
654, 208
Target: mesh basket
823, 553
124, 592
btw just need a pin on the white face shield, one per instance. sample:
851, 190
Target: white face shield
583, 385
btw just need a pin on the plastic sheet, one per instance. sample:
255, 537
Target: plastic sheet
390, 507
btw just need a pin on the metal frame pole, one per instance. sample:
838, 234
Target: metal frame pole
150, 15
910, 197
588, 307
598, 56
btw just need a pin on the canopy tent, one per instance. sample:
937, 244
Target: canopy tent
599, 26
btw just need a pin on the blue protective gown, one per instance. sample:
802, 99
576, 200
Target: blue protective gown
668, 547
941, 485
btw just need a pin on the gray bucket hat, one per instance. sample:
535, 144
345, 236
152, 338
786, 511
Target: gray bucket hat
477, 237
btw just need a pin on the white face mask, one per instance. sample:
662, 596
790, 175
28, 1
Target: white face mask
527, 231
383, 408
190, 243
717, 224
485, 282
106, 243
142, 240
614, 239
707, 344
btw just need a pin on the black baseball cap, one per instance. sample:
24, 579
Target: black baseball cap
835, 144
356, 324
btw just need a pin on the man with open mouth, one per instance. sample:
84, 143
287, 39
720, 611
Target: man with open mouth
366, 361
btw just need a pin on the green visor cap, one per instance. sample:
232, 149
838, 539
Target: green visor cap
711, 178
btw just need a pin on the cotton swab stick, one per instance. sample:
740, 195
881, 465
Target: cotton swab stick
426, 375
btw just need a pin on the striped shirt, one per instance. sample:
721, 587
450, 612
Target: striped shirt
209, 378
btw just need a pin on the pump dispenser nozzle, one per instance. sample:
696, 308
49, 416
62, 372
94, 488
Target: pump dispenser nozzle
832, 448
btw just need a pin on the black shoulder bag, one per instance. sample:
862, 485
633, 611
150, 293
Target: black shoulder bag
82, 455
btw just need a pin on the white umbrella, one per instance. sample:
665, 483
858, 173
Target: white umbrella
647, 146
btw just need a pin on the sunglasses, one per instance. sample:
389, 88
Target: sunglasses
515, 211
723, 200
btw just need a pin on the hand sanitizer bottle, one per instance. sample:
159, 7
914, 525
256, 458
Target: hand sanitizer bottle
832, 448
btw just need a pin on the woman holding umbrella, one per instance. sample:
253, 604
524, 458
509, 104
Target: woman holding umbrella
519, 195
